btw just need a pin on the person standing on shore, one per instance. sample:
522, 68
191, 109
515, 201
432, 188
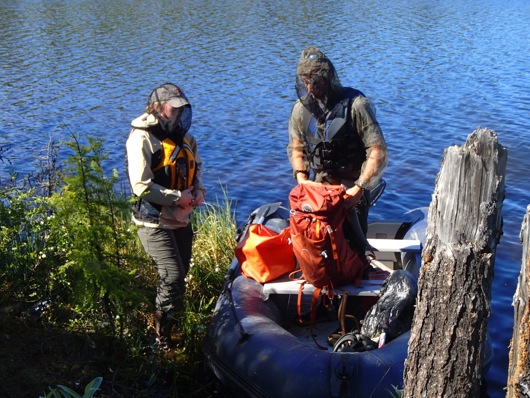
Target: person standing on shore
334, 134
165, 173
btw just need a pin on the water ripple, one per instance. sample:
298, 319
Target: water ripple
435, 71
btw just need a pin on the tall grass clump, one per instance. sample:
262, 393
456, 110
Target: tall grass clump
213, 250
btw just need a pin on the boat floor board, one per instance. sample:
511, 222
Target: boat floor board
318, 333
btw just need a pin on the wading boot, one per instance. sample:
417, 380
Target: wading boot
164, 324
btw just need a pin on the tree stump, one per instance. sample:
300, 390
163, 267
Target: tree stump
446, 347
519, 369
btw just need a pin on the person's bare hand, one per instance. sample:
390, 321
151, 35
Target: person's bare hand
186, 197
198, 198
354, 196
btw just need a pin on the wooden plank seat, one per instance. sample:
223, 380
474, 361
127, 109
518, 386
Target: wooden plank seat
285, 286
396, 245
371, 287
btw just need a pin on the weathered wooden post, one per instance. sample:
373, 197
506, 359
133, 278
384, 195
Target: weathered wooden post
446, 347
519, 369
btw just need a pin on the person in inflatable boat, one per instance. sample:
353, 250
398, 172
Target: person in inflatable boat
334, 136
164, 171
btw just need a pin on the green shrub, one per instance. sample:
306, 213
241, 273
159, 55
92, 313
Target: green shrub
68, 237
24, 235
76, 246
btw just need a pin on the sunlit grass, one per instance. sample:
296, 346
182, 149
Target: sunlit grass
213, 247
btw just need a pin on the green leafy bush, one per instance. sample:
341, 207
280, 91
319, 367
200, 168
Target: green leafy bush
67, 237
91, 232
75, 246
24, 232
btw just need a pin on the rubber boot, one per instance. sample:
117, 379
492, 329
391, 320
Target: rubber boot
163, 327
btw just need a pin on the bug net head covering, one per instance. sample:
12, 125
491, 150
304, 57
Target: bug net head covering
179, 122
317, 83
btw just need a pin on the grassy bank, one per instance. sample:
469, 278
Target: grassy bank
77, 290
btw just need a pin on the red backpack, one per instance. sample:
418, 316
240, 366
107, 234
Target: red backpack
323, 253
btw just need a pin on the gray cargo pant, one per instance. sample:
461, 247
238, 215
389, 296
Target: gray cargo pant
170, 249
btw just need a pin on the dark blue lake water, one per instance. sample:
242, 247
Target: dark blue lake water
435, 71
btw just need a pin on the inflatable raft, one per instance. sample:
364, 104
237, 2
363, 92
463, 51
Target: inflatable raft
257, 347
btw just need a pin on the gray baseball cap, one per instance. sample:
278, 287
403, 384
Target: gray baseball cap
169, 93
